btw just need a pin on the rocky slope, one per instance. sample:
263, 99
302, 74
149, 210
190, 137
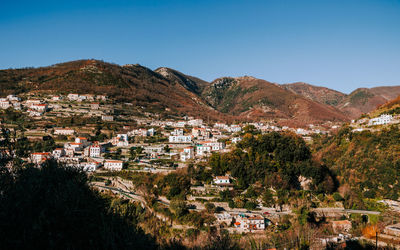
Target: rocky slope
255, 98
358, 102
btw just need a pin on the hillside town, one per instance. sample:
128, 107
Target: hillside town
147, 144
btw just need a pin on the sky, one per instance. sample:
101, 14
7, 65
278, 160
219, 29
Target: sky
338, 44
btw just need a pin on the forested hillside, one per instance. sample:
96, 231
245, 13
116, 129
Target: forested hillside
366, 162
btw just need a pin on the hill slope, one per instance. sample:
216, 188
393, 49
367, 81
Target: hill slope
365, 100
318, 94
254, 98
361, 100
129, 83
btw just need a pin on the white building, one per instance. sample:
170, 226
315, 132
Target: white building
256, 222
13, 98
41, 107
63, 131
113, 165
4, 103
203, 149
214, 145
90, 166
58, 152
94, 150
56, 98
235, 128
73, 97
108, 118
188, 153
180, 139
40, 157
381, 120
236, 139
195, 122
82, 140
218, 180
177, 132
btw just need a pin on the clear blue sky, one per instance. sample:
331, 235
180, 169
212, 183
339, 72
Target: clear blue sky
338, 44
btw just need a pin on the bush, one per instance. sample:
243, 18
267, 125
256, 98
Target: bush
250, 205
337, 197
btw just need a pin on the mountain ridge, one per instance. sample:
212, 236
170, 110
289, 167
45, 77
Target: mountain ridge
225, 98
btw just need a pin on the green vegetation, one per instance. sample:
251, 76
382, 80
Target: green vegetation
366, 161
274, 159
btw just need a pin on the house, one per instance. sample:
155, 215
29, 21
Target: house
108, 118
58, 152
95, 105
381, 120
188, 153
56, 98
177, 132
221, 180
151, 132
13, 98
235, 128
119, 142
31, 102
82, 140
341, 226
4, 103
154, 151
203, 149
180, 139
94, 150
32, 112
255, 222
220, 125
73, 97
113, 165
195, 122
89, 97
63, 131
180, 124
75, 146
40, 157
16, 105
236, 139
41, 107
101, 97
90, 166
200, 132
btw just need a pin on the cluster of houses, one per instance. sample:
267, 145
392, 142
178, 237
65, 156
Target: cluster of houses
80, 153
38, 106
369, 124
243, 222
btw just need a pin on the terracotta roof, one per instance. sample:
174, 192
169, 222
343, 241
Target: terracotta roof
222, 177
45, 153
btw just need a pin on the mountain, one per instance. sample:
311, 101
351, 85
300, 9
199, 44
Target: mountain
362, 100
191, 83
129, 83
315, 93
255, 98
365, 100
169, 91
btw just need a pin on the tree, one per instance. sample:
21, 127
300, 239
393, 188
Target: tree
53, 207
268, 198
210, 207
179, 208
